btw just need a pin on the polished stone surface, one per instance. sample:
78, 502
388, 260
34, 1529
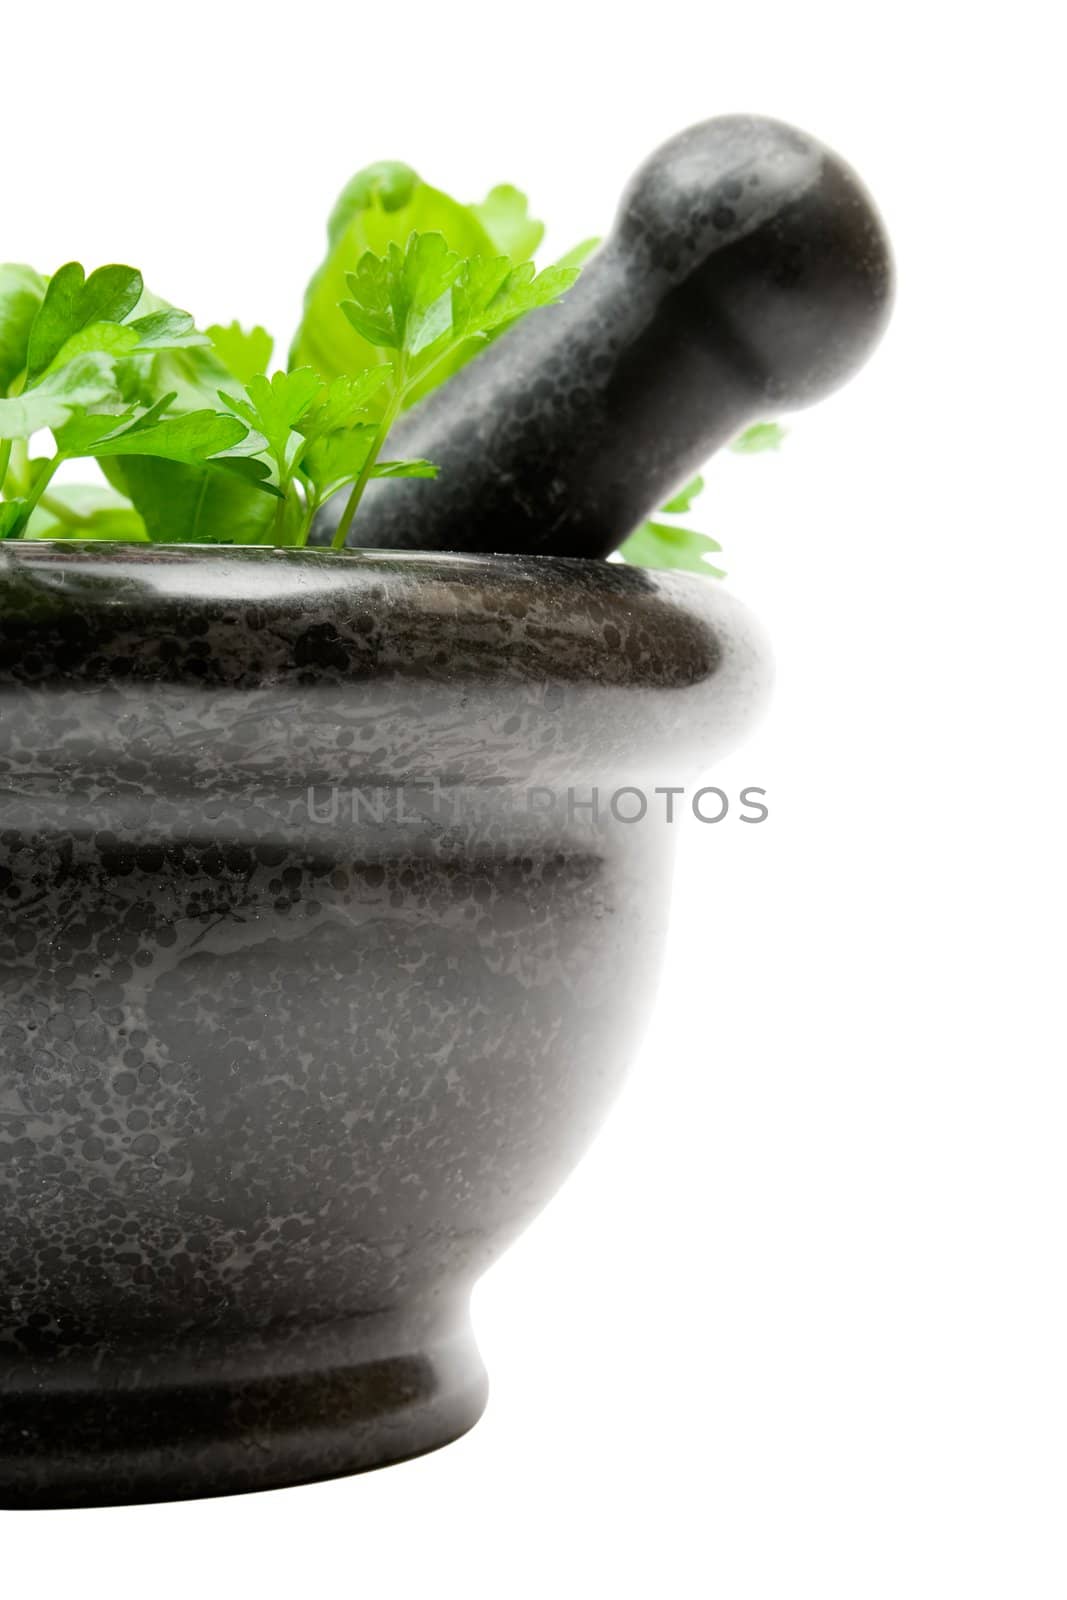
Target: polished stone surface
283, 1072
748, 273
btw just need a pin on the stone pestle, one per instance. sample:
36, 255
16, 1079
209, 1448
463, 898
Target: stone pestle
748, 273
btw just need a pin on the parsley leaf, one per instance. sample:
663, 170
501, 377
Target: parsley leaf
505, 216
73, 302
96, 338
384, 185
339, 458
490, 295
343, 403
194, 437
273, 407
171, 357
86, 380
167, 329
161, 330
667, 546
381, 205
683, 500
661, 544
181, 504
21, 293
761, 436
246, 355
394, 296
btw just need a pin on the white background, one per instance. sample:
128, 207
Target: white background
797, 1327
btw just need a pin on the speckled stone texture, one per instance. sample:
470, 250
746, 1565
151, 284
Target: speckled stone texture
294, 1042
748, 273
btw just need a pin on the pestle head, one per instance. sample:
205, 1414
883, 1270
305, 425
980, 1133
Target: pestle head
776, 247
747, 273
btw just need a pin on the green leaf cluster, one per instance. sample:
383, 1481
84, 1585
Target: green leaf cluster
198, 441
382, 206
69, 347
669, 545
422, 307
195, 441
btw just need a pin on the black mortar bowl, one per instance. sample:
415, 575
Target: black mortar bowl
316, 977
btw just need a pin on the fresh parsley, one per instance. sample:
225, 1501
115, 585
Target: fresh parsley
672, 546
667, 544
199, 442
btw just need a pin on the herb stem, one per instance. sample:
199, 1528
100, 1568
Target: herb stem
278, 524
389, 416
451, 349
5, 462
312, 501
18, 472
44, 478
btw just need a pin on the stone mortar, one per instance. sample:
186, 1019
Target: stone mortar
308, 1003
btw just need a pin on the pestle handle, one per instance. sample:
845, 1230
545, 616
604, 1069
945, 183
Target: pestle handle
747, 273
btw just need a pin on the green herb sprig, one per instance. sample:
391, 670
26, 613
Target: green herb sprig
422, 305
672, 546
